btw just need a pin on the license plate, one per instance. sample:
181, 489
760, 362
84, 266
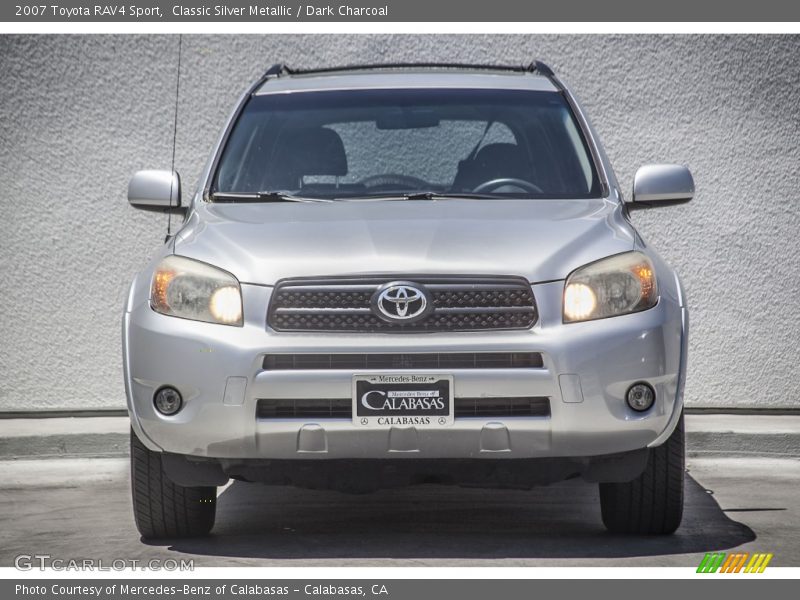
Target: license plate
402, 400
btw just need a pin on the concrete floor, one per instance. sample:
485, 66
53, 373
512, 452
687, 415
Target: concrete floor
75, 508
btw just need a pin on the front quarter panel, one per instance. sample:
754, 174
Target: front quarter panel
138, 297
671, 289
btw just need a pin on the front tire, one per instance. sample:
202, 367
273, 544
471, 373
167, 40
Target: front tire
163, 509
651, 504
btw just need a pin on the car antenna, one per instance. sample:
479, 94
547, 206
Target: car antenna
174, 138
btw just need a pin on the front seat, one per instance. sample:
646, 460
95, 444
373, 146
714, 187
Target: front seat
311, 151
493, 161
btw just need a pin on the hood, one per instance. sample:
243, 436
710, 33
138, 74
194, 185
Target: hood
540, 240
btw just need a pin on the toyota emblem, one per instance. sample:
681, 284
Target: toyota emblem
401, 301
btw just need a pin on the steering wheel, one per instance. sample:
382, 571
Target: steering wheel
488, 186
388, 179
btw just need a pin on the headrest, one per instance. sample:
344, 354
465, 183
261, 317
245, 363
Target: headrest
506, 159
315, 151
493, 161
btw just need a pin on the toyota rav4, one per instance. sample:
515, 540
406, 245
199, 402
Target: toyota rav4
402, 274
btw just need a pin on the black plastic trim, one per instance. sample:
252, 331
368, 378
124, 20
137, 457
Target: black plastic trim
408, 360
342, 408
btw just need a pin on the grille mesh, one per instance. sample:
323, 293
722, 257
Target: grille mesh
459, 304
455, 360
323, 408
341, 408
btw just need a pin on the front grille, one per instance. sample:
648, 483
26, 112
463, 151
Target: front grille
354, 362
457, 304
341, 408
331, 408
532, 406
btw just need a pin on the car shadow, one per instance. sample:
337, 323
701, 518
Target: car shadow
424, 522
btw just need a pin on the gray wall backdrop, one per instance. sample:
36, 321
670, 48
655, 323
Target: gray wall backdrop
80, 114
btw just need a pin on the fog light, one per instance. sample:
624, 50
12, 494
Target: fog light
640, 397
168, 401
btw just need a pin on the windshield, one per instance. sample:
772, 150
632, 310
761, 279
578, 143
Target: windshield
398, 142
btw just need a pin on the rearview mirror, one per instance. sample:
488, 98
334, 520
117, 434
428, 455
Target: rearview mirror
661, 185
156, 191
408, 119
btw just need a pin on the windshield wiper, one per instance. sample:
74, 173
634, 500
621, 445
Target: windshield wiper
278, 196
424, 196
448, 196
268, 196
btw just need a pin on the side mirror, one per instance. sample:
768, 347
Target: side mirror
661, 185
158, 191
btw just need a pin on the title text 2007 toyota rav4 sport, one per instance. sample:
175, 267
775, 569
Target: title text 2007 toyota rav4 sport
402, 274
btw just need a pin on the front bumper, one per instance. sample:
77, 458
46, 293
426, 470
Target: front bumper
587, 369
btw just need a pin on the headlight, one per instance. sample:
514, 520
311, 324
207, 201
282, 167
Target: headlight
617, 285
191, 289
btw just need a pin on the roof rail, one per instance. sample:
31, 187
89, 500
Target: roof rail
534, 67
276, 69
538, 66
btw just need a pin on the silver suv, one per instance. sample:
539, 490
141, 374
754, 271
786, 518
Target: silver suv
402, 274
